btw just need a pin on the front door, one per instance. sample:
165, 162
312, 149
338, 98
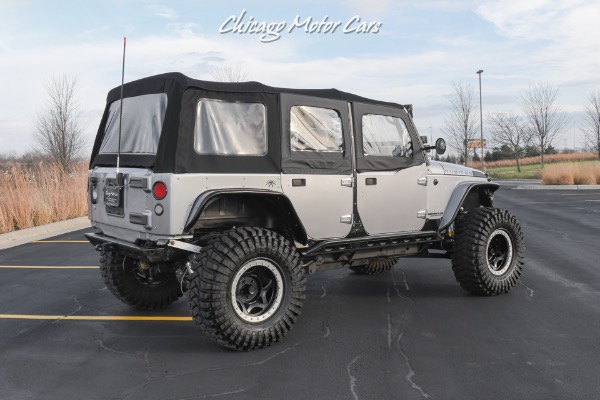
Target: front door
391, 171
317, 163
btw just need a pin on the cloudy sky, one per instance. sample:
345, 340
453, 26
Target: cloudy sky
411, 52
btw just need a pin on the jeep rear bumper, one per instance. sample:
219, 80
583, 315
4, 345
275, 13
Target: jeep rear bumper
148, 254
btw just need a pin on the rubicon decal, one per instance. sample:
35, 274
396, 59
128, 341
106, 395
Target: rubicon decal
458, 172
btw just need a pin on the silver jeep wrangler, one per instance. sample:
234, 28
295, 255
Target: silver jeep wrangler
234, 192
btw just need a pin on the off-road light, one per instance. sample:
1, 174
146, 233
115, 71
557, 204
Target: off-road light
159, 209
159, 190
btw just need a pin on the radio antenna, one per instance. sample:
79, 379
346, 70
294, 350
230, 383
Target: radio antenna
119, 177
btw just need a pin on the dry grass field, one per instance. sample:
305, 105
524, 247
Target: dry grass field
578, 166
548, 159
571, 174
40, 194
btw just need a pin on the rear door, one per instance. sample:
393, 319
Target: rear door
391, 171
135, 137
317, 163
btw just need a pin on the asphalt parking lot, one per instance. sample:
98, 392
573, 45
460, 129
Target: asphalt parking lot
409, 334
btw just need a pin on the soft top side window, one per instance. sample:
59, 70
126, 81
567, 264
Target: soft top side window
385, 136
315, 129
230, 128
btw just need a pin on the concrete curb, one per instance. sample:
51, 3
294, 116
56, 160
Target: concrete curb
27, 235
559, 187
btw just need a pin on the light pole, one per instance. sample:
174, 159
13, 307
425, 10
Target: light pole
431, 135
480, 117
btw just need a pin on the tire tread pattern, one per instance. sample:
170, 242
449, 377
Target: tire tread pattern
469, 258
124, 286
215, 267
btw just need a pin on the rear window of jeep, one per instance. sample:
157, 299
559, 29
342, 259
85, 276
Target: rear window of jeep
230, 128
141, 126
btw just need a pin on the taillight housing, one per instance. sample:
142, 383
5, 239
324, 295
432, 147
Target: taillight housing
159, 190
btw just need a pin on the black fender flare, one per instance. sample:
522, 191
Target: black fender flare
461, 191
205, 198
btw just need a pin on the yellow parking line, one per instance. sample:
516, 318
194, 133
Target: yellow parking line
47, 267
94, 317
60, 241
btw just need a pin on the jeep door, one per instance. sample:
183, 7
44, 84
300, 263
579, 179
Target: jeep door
317, 163
391, 170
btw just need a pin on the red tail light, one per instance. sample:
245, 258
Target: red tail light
159, 190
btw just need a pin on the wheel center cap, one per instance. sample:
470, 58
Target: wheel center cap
248, 289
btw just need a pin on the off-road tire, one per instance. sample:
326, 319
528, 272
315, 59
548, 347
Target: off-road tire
377, 266
123, 278
488, 251
220, 309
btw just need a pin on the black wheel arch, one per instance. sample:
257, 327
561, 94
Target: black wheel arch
273, 210
468, 195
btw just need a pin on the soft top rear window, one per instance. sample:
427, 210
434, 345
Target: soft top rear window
141, 127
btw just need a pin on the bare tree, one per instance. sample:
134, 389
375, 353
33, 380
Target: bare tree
59, 132
592, 122
461, 125
509, 129
229, 74
545, 118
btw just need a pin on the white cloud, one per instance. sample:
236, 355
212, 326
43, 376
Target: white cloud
162, 11
95, 31
447, 5
370, 7
521, 19
563, 32
184, 28
382, 7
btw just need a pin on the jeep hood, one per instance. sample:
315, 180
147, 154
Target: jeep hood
444, 168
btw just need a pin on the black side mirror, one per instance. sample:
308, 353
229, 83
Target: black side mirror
440, 146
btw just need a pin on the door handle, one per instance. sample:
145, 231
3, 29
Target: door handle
298, 182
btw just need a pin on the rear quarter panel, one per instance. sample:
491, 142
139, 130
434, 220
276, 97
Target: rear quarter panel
182, 191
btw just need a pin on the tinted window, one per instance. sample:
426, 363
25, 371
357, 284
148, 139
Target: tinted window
315, 129
385, 136
141, 125
230, 128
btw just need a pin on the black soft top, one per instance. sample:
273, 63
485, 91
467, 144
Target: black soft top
175, 149
184, 82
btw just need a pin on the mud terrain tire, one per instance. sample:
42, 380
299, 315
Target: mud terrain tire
488, 251
247, 289
149, 288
